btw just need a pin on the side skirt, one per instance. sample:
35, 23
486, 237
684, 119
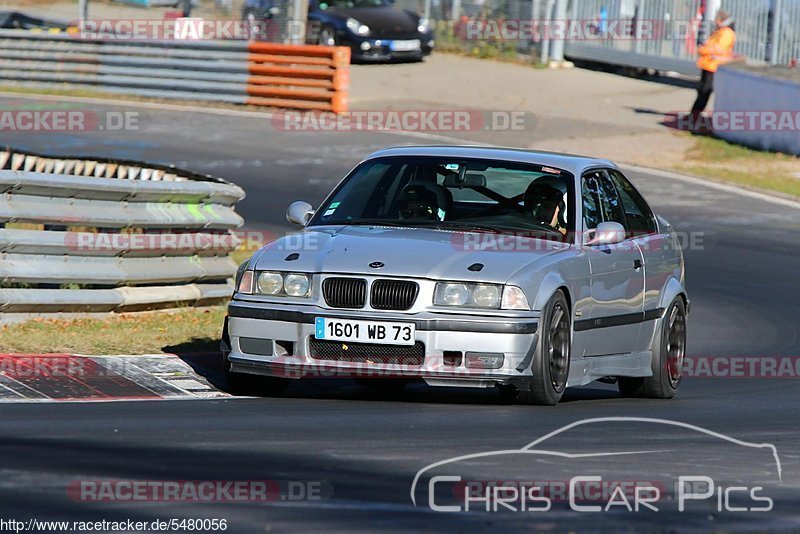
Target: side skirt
588, 370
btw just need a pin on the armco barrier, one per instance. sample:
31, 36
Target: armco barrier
103, 235
310, 77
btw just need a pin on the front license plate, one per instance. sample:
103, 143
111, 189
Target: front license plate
404, 46
381, 332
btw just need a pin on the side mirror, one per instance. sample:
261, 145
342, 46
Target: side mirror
299, 212
607, 233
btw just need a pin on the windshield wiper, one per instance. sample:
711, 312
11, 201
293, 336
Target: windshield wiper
521, 232
455, 225
376, 222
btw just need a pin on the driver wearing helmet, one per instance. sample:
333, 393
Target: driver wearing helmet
545, 200
419, 202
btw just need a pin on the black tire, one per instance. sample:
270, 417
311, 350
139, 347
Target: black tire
668, 356
550, 365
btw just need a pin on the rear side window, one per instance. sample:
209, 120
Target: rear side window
612, 204
591, 202
641, 220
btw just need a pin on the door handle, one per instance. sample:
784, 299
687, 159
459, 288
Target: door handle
637, 264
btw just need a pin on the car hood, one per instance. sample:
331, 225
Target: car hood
379, 18
404, 252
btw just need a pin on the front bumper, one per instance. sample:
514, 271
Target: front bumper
281, 336
370, 49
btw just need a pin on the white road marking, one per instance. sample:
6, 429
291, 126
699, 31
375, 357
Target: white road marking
728, 188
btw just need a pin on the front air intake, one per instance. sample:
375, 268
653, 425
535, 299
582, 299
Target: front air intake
345, 292
393, 294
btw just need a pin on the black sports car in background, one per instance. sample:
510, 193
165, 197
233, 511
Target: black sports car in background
375, 30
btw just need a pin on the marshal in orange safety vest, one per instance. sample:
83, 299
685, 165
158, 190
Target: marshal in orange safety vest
718, 49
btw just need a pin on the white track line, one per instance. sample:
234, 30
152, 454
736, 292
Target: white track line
728, 188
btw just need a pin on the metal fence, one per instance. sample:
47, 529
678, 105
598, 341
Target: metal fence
105, 235
768, 31
237, 72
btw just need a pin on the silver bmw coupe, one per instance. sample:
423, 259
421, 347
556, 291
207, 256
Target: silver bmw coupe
472, 267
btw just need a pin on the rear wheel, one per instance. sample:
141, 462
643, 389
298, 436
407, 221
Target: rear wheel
550, 365
668, 354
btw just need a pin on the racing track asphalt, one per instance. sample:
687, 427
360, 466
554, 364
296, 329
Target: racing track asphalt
742, 278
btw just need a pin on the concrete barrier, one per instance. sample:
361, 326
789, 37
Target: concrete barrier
768, 90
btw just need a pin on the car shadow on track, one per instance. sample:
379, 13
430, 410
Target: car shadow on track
208, 364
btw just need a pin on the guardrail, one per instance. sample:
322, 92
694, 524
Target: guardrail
309, 77
111, 235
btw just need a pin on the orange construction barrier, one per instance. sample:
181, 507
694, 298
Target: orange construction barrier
310, 77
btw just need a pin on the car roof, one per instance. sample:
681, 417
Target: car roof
568, 162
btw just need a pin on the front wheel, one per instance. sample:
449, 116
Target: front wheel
550, 365
668, 355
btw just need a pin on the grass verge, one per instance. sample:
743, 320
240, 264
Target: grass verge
449, 43
723, 161
184, 330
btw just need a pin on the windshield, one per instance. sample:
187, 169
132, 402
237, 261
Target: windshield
455, 194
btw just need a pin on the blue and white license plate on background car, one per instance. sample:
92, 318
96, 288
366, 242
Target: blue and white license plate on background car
404, 46
364, 331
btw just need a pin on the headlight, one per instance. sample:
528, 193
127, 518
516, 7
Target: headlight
472, 295
423, 25
279, 284
270, 283
357, 27
297, 285
486, 296
453, 294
